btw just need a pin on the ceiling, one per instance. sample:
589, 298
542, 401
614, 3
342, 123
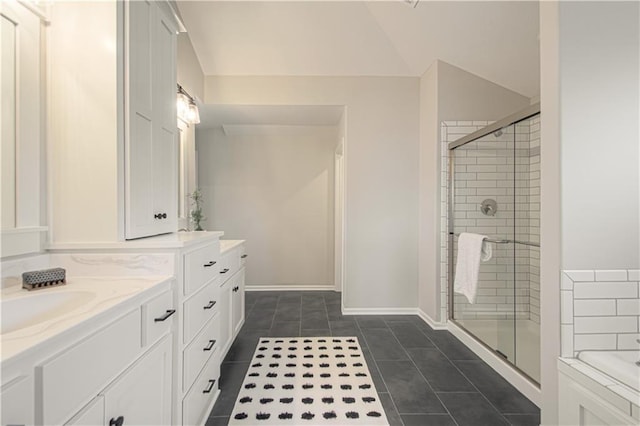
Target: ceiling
495, 40
269, 115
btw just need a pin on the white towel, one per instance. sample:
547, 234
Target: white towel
471, 250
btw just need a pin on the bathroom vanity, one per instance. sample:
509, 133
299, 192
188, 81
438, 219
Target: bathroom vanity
136, 336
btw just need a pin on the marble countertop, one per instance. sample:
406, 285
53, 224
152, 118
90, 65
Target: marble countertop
86, 302
173, 240
226, 245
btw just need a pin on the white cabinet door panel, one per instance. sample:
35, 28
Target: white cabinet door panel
142, 395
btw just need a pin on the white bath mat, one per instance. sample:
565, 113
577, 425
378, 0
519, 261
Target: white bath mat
308, 381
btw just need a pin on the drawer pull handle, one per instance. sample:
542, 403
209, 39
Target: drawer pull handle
165, 316
236, 288
116, 422
211, 344
209, 388
224, 271
244, 256
207, 265
211, 304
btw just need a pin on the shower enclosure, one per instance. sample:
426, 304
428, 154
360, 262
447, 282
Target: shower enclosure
494, 190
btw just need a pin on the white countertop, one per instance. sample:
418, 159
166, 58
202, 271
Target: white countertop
173, 240
100, 297
226, 245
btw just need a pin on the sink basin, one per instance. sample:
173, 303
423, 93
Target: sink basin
18, 313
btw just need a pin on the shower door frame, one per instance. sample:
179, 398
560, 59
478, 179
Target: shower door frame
514, 118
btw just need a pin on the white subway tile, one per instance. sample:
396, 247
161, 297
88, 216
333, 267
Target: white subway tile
566, 282
595, 342
611, 275
594, 307
628, 306
603, 290
581, 275
594, 325
628, 341
566, 337
634, 274
566, 312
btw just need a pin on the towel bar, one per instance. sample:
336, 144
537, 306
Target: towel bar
493, 240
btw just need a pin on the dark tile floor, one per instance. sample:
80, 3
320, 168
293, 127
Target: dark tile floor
423, 376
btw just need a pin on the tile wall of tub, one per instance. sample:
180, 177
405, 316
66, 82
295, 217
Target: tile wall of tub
485, 169
600, 310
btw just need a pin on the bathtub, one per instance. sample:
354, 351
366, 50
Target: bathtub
620, 365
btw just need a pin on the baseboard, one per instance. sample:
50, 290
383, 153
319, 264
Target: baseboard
284, 287
378, 311
430, 321
509, 373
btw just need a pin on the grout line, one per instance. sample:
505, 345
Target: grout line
379, 373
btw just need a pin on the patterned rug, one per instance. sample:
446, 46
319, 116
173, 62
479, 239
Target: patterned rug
308, 381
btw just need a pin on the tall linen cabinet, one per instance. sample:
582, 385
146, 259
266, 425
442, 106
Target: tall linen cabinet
112, 124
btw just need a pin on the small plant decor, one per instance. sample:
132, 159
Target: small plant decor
196, 212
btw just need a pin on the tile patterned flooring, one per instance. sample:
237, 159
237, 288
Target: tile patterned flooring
423, 376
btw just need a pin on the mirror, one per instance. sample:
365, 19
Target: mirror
8, 122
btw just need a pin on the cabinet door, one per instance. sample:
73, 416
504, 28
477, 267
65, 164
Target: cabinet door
151, 150
226, 300
142, 394
92, 414
16, 398
165, 124
237, 307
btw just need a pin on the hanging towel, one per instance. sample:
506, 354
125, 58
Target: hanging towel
472, 248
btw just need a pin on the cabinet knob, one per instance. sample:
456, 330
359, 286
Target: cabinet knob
164, 215
116, 422
207, 265
244, 256
224, 271
210, 305
157, 216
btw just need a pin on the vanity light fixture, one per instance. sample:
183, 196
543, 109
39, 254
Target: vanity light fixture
186, 107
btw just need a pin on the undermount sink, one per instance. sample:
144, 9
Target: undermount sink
22, 312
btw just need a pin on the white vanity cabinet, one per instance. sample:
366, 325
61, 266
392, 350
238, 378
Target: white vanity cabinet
202, 303
232, 292
115, 363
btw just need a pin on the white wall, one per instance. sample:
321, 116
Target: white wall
381, 173
460, 96
273, 186
599, 98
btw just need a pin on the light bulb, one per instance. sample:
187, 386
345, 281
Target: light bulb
193, 115
182, 106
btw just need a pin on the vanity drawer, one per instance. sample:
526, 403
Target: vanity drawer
230, 263
83, 369
158, 316
200, 308
200, 350
196, 403
200, 266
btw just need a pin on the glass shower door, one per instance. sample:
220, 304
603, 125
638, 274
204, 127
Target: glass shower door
483, 202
